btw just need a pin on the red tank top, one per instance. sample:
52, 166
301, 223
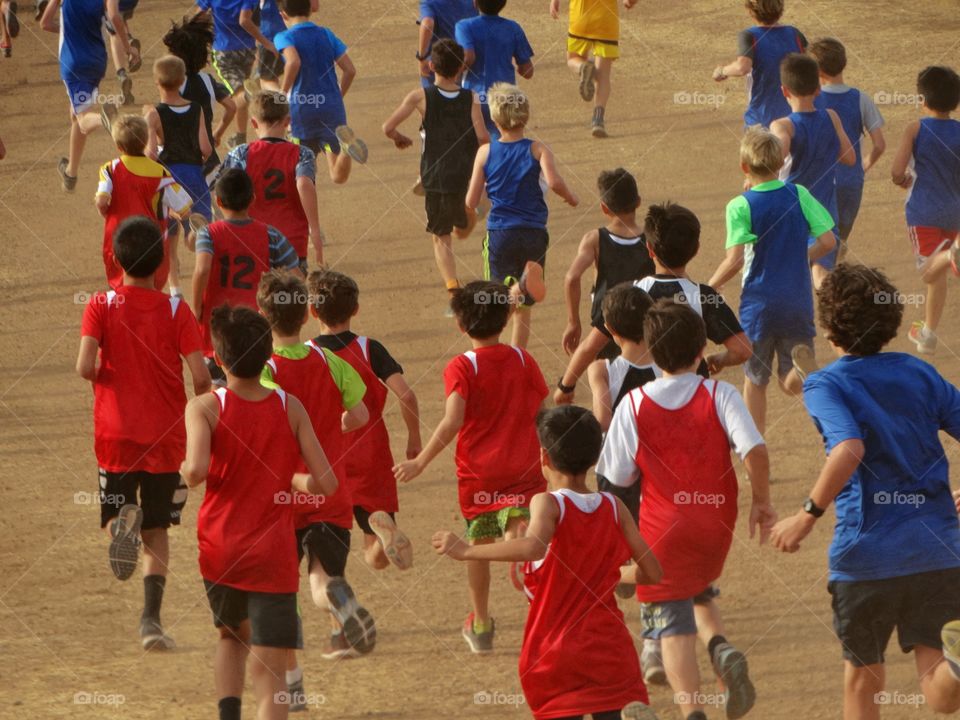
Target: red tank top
689, 489
241, 254
310, 381
272, 166
132, 195
369, 460
578, 656
245, 530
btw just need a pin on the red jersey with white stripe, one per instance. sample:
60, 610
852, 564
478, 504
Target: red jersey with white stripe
245, 530
241, 254
138, 395
369, 460
309, 380
689, 489
578, 656
272, 166
498, 454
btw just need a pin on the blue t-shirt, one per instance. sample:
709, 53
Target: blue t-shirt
514, 187
814, 150
271, 23
896, 515
446, 14
316, 105
83, 56
227, 33
934, 198
497, 43
766, 47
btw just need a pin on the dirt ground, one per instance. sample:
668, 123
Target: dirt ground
68, 643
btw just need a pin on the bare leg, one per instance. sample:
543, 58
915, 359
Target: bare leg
940, 687
521, 326
318, 584
680, 662
709, 622
478, 578
267, 670
574, 62
117, 54
819, 273
243, 111
860, 687
340, 165
936, 295
174, 277
603, 80
755, 398
792, 384
230, 661
373, 553
80, 126
446, 262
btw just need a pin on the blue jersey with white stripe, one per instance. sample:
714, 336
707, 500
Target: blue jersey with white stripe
83, 55
814, 150
934, 197
847, 107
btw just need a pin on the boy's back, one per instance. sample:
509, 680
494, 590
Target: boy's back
181, 128
83, 55
514, 186
450, 142
228, 33
446, 14
858, 115
767, 46
496, 43
202, 89
814, 150
934, 198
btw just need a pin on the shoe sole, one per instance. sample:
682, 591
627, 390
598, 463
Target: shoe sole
599, 131
13, 23
126, 92
922, 347
157, 642
124, 547
804, 361
472, 643
741, 695
396, 545
134, 66
587, 73
108, 113
655, 676
69, 184
358, 625
532, 280
351, 144
638, 711
343, 653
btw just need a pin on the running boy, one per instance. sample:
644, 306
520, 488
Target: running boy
859, 116
438, 21
494, 392
927, 165
133, 184
335, 301
768, 228
284, 177
578, 656
896, 543
760, 49
246, 441
510, 168
311, 56
689, 489
453, 129
129, 382
594, 28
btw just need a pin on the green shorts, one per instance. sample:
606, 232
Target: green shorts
494, 523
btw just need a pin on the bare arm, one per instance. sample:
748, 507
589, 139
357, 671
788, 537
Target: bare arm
247, 23
444, 434
50, 21
414, 101
469, 58
585, 354
879, 146
738, 68
199, 373
154, 132
728, 267
585, 258
205, 147
551, 176
899, 172
409, 410
823, 246
201, 417
423, 44
762, 514
354, 418
479, 126
291, 68
201, 276
737, 349
321, 480
783, 130
847, 156
600, 389
478, 179
87, 358
347, 73
307, 190
526, 70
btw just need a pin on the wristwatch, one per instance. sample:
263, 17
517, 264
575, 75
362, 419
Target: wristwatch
811, 507
420, 57
565, 389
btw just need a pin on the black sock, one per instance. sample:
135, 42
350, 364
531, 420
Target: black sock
598, 114
714, 641
229, 708
153, 596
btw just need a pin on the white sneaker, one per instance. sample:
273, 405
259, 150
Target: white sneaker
924, 339
651, 662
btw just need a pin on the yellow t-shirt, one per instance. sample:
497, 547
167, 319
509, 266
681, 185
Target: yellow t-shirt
595, 19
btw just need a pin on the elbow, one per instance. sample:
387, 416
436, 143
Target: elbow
326, 484
193, 476
655, 574
526, 73
534, 550
87, 371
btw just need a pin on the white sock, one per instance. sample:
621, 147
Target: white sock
295, 675
174, 290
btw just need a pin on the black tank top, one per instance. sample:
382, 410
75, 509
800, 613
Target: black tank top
617, 263
181, 134
450, 143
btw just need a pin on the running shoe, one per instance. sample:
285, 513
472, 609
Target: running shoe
126, 88
358, 626
197, 222
338, 647
588, 73
41, 6
351, 144
108, 113
598, 129
138, 63
925, 340
13, 24
125, 545
638, 711
67, 182
804, 361
298, 698
731, 667
950, 637
152, 636
651, 660
7, 49
479, 642
396, 545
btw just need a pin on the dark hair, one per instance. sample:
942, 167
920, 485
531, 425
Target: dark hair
234, 189
334, 296
294, 8
447, 57
482, 308
191, 40
830, 55
800, 74
860, 308
282, 298
618, 191
675, 335
765, 11
940, 87
138, 246
269, 106
624, 307
491, 7
572, 438
672, 232
242, 339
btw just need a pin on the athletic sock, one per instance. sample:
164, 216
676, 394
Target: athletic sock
598, 114
453, 285
295, 675
229, 708
153, 586
479, 627
715, 641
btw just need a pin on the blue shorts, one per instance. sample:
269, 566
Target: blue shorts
848, 206
82, 94
759, 367
673, 617
325, 143
506, 252
828, 261
192, 179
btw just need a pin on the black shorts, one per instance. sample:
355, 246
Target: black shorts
865, 612
330, 544
362, 517
445, 211
274, 617
506, 253
216, 372
630, 495
269, 65
162, 496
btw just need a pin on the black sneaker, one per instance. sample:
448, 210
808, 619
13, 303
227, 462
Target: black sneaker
298, 698
125, 545
357, 623
138, 63
126, 88
13, 24
41, 6
67, 182
152, 636
731, 667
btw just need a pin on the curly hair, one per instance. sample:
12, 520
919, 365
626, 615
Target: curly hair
860, 309
190, 40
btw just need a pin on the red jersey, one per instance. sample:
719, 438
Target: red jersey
241, 254
578, 655
272, 165
498, 454
138, 395
369, 460
309, 380
245, 530
689, 488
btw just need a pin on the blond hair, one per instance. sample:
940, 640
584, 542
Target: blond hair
169, 72
509, 106
761, 151
130, 134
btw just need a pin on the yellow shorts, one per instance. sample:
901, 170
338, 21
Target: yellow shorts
599, 48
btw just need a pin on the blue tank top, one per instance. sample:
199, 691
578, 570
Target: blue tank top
814, 151
770, 46
934, 197
83, 56
514, 187
777, 300
847, 107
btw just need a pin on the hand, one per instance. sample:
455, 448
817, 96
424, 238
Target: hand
414, 446
571, 337
572, 200
956, 499
715, 362
554, 9
906, 182
562, 398
629, 3
763, 515
103, 204
718, 74
270, 47
787, 534
401, 141
406, 471
446, 543
425, 70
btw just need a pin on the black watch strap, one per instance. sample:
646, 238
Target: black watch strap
420, 57
811, 507
565, 389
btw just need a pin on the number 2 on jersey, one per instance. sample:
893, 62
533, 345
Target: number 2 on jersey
243, 266
272, 191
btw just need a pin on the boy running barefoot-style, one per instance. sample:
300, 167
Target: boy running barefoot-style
578, 656
493, 394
